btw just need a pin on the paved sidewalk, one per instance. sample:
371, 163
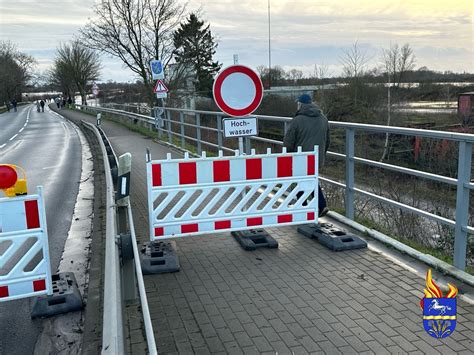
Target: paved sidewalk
300, 298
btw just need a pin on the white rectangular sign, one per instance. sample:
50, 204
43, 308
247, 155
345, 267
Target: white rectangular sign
240, 127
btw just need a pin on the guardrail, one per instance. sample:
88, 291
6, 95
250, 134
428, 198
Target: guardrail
113, 334
174, 129
112, 326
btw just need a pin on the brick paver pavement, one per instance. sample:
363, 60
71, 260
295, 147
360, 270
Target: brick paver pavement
300, 298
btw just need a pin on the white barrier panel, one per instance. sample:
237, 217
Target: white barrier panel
25, 269
206, 195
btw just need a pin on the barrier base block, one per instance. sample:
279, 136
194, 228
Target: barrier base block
332, 237
254, 238
159, 257
66, 297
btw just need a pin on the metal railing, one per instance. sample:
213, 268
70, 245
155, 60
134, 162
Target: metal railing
176, 122
113, 331
112, 324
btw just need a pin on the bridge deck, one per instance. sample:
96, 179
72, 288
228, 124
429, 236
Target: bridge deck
299, 298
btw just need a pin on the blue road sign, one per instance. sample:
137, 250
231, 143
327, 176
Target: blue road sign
157, 69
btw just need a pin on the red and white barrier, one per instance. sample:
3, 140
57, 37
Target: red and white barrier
205, 195
25, 269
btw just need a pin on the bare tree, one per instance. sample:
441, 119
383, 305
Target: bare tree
136, 32
75, 66
294, 75
397, 62
275, 76
354, 61
321, 71
15, 71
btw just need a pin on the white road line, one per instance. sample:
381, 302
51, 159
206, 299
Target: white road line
12, 138
51, 167
25, 124
21, 130
1, 146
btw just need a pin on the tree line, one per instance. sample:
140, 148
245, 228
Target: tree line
15, 72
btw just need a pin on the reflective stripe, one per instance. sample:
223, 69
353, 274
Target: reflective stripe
439, 317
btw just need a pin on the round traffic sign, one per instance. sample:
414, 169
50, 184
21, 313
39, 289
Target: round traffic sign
238, 90
8, 176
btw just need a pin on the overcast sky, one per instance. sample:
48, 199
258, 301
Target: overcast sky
303, 32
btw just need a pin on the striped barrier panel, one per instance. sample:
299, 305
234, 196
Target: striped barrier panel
25, 269
206, 195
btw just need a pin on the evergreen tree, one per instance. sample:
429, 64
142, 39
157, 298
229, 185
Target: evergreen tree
194, 47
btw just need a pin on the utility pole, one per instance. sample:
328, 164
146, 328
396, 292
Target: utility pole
269, 50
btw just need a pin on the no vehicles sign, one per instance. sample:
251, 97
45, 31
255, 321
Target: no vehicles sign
239, 127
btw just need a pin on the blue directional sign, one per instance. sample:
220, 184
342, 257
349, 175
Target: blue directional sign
157, 69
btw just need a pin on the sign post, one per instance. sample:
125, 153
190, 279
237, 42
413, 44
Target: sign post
160, 90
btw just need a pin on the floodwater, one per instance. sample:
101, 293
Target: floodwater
448, 107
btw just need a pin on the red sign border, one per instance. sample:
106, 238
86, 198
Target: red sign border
162, 83
217, 87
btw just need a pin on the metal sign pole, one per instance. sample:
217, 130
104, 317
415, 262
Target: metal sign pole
241, 139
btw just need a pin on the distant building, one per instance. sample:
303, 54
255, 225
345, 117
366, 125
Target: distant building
185, 76
466, 107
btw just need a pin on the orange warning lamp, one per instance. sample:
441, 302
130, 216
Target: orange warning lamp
9, 181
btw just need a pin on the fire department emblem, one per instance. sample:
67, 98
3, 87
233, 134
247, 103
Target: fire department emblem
439, 313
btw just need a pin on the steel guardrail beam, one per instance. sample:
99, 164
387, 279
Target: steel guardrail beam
112, 326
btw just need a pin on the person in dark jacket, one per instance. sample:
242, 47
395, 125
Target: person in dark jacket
42, 105
310, 127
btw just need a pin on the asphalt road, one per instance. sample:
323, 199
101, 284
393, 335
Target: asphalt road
49, 149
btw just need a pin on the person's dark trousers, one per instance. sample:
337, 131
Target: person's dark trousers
322, 203
321, 199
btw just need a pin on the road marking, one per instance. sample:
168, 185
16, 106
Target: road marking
1, 146
25, 124
12, 147
12, 138
21, 130
51, 167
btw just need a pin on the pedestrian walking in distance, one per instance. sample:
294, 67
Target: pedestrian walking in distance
308, 128
38, 106
14, 104
42, 105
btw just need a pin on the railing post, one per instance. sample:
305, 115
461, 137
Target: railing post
170, 137
219, 131
158, 121
181, 129
349, 200
198, 133
462, 204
